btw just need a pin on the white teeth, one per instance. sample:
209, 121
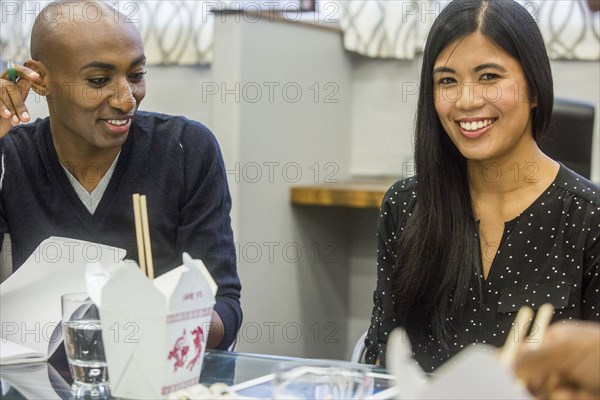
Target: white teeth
472, 126
117, 122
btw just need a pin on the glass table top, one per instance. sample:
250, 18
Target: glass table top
52, 380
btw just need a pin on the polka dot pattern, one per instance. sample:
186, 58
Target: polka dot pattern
548, 253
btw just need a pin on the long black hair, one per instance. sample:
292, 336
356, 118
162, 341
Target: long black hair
438, 254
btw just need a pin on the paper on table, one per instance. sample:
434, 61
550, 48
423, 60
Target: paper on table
30, 307
35, 381
13, 353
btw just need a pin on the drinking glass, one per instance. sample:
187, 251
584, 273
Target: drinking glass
84, 347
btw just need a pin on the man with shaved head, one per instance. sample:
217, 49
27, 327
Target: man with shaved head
73, 174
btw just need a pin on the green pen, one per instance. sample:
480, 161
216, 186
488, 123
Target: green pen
12, 73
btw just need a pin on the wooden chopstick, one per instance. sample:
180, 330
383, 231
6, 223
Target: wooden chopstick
516, 335
142, 234
542, 321
146, 230
540, 326
139, 235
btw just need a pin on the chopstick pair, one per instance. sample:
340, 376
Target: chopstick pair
518, 332
142, 234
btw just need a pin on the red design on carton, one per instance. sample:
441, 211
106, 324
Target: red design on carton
179, 352
198, 334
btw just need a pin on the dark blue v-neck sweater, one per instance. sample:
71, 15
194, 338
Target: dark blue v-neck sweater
175, 162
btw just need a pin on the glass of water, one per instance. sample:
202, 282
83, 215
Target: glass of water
84, 346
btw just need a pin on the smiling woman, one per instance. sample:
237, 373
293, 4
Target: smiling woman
475, 235
482, 101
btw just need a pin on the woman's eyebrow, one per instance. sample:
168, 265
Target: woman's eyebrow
489, 66
444, 69
440, 70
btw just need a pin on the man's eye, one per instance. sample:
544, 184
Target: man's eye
137, 76
97, 81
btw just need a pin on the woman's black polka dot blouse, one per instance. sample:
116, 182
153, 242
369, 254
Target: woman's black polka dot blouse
548, 253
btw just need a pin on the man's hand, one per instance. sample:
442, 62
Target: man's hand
567, 363
216, 333
12, 98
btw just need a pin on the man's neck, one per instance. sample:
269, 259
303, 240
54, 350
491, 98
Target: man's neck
88, 166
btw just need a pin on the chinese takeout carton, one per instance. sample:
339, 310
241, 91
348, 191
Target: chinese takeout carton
154, 332
474, 373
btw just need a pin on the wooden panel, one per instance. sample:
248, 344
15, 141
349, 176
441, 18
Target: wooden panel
354, 194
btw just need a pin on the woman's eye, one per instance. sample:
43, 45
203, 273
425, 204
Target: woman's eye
488, 76
97, 81
446, 81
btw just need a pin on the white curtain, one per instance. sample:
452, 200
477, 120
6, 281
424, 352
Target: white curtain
386, 28
398, 29
571, 31
181, 31
174, 32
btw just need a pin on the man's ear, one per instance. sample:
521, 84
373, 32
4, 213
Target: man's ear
41, 85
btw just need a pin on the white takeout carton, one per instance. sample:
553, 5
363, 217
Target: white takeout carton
474, 373
154, 332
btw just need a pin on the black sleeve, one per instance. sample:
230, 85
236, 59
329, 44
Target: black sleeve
205, 226
395, 207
